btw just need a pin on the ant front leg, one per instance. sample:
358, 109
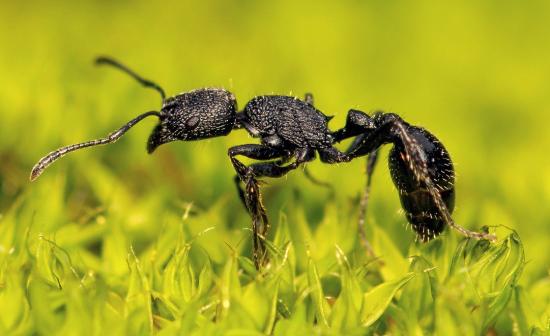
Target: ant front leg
250, 196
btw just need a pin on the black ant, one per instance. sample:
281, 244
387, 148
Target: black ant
293, 129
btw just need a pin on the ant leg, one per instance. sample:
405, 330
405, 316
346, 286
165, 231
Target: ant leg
388, 131
363, 205
310, 177
103, 60
332, 155
251, 196
366, 143
272, 169
308, 98
415, 157
252, 151
419, 167
275, 169
240, 191
307, 173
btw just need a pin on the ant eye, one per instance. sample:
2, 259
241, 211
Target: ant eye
192, 122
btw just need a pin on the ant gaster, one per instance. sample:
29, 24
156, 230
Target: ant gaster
293, 129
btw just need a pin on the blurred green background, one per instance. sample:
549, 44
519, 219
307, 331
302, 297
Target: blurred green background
475, 73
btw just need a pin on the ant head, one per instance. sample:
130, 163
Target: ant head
194, 115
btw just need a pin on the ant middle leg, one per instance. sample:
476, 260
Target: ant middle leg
308, 98
363, 204
332, 155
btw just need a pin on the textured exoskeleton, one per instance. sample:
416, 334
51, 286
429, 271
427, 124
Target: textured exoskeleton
292, 132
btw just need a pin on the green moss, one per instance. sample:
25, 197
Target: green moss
113, 240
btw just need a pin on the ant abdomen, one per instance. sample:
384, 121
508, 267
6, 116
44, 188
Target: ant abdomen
419, 206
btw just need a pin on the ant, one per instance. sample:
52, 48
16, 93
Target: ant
293, 129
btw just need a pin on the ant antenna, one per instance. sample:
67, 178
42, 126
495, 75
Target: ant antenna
47, 160
104, 60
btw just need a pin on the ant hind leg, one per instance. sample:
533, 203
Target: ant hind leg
418, 165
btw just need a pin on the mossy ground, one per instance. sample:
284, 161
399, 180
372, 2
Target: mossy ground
112, 240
